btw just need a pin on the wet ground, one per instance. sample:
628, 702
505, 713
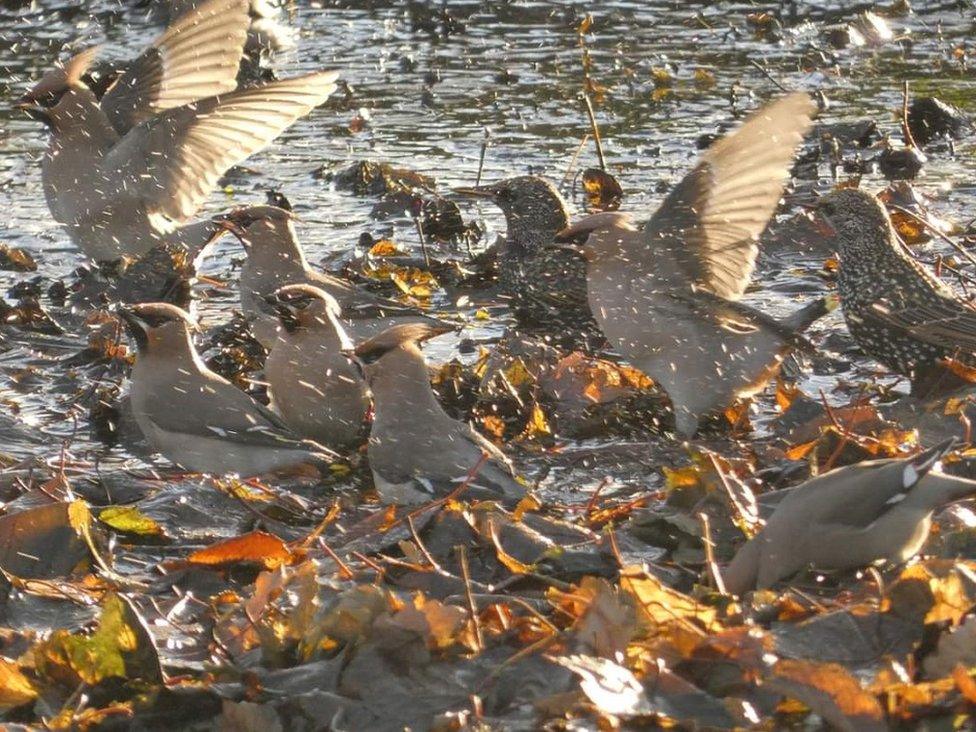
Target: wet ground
423, 89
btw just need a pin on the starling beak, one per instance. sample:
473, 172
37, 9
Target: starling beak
851, 517
898, 311
547, 286
666, 294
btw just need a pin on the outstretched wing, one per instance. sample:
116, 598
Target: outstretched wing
710, 222
197, 57
173, 161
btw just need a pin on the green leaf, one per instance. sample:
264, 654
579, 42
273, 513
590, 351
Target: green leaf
130, 520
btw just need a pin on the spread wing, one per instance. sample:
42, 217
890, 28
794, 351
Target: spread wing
197, 57
713, 218
173, 161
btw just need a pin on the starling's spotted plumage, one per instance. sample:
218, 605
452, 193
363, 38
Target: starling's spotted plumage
547, 286
898, 312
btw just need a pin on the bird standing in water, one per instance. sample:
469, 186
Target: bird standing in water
898, 311
666, 294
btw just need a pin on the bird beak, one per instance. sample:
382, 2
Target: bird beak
488, 192
228, 222
28, 106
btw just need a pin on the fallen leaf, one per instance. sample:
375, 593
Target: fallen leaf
129, 520
830, 691
15, 688
257, 547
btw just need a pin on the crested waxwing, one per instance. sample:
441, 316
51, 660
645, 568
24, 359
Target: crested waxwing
666, 294
275, 258
123, 173
195, 417
854, 516
417, 453
314, 386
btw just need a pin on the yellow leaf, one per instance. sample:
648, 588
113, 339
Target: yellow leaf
129, 520
384, 248
704, 79
482, 314
517, 374
15, 688
538, 424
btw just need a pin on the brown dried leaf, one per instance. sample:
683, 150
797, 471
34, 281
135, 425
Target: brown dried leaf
829, 690
603, 192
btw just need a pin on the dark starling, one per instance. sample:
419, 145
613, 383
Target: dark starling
547, 286
898, 311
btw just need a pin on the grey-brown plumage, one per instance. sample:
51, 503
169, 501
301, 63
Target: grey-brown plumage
418, 453
195, 417
666, 294
123, 174
312, 382
275, 258
851, 517
546, 286
898, 311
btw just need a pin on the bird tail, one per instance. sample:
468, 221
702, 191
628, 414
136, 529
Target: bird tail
936, 488
801, 319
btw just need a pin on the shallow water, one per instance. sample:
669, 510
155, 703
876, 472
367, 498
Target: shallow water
515, 70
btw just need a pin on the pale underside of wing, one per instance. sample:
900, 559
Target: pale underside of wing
197, 57
948, 323
173, 161
710, 222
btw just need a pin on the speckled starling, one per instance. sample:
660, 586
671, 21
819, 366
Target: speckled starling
898, 311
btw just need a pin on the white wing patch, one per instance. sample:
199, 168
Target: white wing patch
908, 478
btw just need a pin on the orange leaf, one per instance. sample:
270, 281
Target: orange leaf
256, 547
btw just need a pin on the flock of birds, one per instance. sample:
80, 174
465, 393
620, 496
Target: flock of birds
126, 172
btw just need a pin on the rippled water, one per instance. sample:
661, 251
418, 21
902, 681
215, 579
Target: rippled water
514, 70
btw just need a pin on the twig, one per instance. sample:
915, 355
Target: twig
596, 130
472, 606
423, 240
423, 549
572, 161
481, 157
932, 228
614, 549
906, 131
591, 504
765, 72
710, 562
344, 569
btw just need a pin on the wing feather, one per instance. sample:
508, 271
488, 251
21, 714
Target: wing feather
196, 57
714, 216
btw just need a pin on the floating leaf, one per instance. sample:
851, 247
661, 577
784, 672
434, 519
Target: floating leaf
384, 248
256, 547
15, 688
119, 647
603, 192
829, 690
130, 520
